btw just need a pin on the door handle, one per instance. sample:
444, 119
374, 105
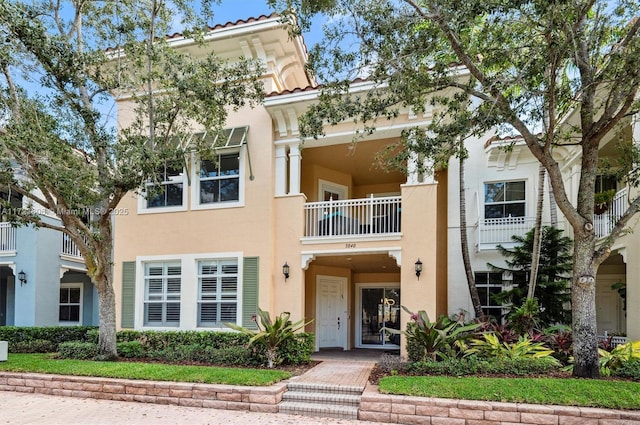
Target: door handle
338, 323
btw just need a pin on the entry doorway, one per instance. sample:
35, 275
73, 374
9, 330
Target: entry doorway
379, 311
331, 312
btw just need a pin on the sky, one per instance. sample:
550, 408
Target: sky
232, 10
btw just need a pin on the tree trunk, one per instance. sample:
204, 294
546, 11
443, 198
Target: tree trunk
107, 310
583, 299
535, 253
464, 243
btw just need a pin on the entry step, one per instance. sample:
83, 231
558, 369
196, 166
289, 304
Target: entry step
323, 410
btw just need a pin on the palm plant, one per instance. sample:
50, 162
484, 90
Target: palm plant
272, 334
491, 346
434, 339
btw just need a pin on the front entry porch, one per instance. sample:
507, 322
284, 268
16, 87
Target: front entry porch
354, 299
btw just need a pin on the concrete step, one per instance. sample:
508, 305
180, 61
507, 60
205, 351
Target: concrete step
325, 388
322, 398
321, 410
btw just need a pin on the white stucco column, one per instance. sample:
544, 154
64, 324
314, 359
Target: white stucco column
413, 176
428, 177
281, 170
295, 159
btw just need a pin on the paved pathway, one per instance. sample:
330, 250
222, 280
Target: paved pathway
343, 373
37, 409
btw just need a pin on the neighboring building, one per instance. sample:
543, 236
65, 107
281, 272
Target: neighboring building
43, 280
501, 195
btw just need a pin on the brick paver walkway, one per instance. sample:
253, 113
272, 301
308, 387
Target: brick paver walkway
342, 373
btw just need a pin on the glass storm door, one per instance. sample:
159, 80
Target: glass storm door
380, 311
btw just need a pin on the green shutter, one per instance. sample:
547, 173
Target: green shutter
250, 291
128, 294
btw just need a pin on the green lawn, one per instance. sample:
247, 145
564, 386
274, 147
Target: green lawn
42, 363
568, 392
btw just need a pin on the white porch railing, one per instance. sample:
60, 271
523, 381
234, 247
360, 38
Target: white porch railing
496, 231
7, 237
603, 223
615, 340
69, 247
367, 216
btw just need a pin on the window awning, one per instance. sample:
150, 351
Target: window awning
229, 138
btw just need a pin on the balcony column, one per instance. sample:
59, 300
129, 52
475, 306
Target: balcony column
295, 159
420, 169
281, 170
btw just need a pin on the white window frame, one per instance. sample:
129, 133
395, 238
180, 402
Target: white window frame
195, 187
165, 297
218, 294
189, 288
488, 286
485, 203
142, 199
327, 186
60, 304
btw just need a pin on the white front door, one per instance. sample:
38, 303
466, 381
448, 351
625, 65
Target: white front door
331, 312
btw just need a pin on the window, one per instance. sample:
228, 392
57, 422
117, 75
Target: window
217, 292
70, 307
170, 192
504, 199
162, 287
605, 183
489, 284
220, 179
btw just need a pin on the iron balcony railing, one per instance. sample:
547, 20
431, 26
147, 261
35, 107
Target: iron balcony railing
8, 237
363, 217
603, 223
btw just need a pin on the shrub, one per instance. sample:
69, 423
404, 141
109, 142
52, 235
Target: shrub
622, 354
33, 346
272, 335
78, 350
232, 356
428, 340
493, 366
55, 334
391, 362
490, 346
630, 369
130, 349
297, 350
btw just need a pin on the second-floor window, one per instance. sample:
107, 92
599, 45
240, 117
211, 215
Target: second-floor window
220, 179
170, 192
504, 199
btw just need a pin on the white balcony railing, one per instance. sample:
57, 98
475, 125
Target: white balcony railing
498, 231
7, 238
69, 247
367, 216
603, 223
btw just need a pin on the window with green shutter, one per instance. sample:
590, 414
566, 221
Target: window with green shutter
250, 292
128, 294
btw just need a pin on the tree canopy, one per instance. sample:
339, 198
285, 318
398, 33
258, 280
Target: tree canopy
62, 66
554, 74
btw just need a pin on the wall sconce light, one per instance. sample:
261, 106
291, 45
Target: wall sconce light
22, 277
285, 271
418, 268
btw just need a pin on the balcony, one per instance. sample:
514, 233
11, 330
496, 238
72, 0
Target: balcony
69, 248
353, 217
603, 223
7, 239
498, 231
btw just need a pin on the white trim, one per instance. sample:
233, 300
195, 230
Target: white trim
358, 327
195, 185
71, 286
142, 200
188, 289
344, 317
329, 186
